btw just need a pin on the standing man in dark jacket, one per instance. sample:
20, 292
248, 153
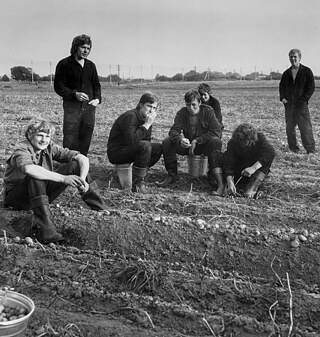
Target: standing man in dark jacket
296, 88
195, 131
76, 81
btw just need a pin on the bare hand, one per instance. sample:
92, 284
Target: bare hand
192, 147
248, 171
185, 143
74, 181
83, 188
284, 101
94, 102
150, 118
81, 96
231, 187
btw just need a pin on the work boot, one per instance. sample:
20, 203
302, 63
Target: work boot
46, 230
218, 176
255, 181
93, 198
171, 178
138, 179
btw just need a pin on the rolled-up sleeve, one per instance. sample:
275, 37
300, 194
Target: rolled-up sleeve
20, 157
62, 155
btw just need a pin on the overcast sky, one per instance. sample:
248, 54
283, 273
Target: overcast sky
162, 36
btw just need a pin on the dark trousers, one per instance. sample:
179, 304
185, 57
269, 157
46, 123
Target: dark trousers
170, 151
143, 154
299, 115
78, 126
19, 196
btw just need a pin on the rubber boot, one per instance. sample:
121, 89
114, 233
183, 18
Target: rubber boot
171, 165
93, 198
171, 178
217, 173
138, 179
47, 231
255, 181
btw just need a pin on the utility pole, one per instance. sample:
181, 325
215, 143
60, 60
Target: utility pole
141, 73
110, 79
31, 71
118, 74
50, 74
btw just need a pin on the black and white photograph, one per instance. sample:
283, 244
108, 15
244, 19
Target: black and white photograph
160, 168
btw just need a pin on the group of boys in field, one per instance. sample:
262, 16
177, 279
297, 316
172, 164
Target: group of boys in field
33, 181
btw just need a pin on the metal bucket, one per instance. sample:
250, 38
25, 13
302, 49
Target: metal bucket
16, 327
124, 173
197, 165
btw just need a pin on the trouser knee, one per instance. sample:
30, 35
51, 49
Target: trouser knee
215, 159
168, 147
144, 146
215, 144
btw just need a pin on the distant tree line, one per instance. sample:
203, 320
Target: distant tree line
20, 73
192, 75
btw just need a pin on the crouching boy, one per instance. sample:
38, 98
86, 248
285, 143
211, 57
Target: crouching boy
247, 161
31, 182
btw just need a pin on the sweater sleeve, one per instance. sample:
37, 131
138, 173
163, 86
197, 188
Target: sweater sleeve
211, 126
176, 130
217, 110
132, 130
267, 151
96, 86
309, 86
60, 80
282, 86
229, 159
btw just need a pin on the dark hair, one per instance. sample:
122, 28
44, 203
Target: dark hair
191, 95
245, 135
39, 125
79, 41
147, 97
203, 88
